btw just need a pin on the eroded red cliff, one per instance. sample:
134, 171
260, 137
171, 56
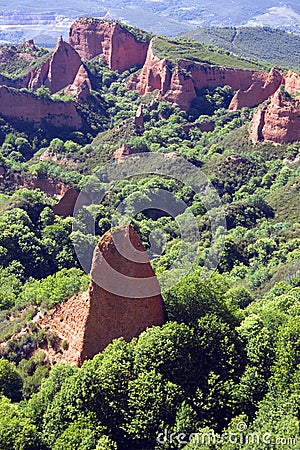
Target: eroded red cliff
59, 71
81, 85
110, 40
178, 83
27, 106
278, 121
292, 83
259, 91
66, 204
123, 299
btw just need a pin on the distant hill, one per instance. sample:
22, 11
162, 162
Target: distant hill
277, 47
44, 20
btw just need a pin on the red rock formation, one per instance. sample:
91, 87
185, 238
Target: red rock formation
46, 184
69, 323
124, 151
28, 45
178, 84
155, 75
139, 120
24, 105
116, 44
65, 206
204, 127
292, 83
66, 195
258, 92
123, 299
37, 77
182, 88
81, 86
26, 56
59, 71
278, 121
62, 69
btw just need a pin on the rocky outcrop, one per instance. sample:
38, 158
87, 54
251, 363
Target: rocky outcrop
278, 121
125, 150
59, 71
155, 75
51, 187
28, 45
204, 127
65, 195
258, 92
26, 106
65, 206
178, 83
139, 120
22, 51
63, 69
110, 40
123, 299
81, 86
291, 83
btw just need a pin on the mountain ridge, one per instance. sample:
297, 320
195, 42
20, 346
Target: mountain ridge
19, 20
171, 70
274, 46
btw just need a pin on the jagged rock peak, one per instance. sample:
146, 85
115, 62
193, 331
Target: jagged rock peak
60, 40
59, 70
28, 44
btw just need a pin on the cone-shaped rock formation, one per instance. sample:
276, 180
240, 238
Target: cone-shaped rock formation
123, 299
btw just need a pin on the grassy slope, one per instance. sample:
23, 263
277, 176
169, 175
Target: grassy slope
177, 49
277, 47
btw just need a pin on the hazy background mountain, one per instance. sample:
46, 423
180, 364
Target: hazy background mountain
277, 47
44, 20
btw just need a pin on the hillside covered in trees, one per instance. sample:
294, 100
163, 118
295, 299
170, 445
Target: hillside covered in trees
277, 47
223, 372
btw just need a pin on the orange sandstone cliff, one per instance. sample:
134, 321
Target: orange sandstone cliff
278, 121
63, 70
259, 91
27, 106
174, 82
123, 299
292, 83
114, 42
178, 84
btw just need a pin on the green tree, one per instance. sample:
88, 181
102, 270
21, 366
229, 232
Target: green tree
43, 92
11, 382
152, 405
193, 298
16, 431
84, 433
